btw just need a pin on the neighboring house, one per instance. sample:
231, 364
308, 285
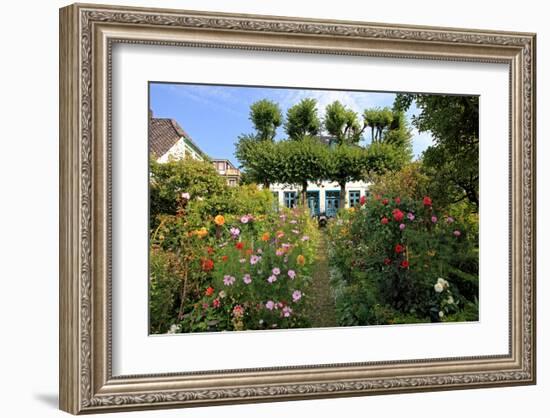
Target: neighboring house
322, 197
167, 140
226, 169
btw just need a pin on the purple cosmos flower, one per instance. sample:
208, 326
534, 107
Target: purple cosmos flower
305, 238
270, 305
186, 196
402, 227
296, 296
410, 216
457, 233
234, 232
287, 311
291, 274
276, 271
272, 278
245, 219
280, 252
254, 259
450, 219
228, 280
434, 219
286, 245
247, 279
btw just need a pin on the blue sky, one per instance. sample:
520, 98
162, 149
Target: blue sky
214, 116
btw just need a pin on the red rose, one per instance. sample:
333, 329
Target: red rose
224, 258
385, 201
209, 250
427, 201
207, 264
384, 220
397, 200
404, 264
398, 215
363, 200
209, 291
399, 248
387, 261
239, 245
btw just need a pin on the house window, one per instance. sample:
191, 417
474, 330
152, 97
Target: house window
354, 197
232, 182
291, 199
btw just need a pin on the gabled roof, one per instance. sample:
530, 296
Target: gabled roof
164, 133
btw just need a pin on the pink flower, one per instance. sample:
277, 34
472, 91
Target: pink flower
216, 303
434, 219
228, 280
450, 219
272, 278
245, 219
186, 196
270, 305
234, 232
276, 271
384, 220
305, 238
457, 233
296, 296
238, 311
205, 305
287, 311
259, 251
410, 216
280, 252
247, 279
402, 227
291, 274
254, 259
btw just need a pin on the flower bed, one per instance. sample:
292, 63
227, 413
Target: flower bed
402, 261
235, 272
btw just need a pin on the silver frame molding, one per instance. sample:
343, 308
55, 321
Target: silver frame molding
87, 34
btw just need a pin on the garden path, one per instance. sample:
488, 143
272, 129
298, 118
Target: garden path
323, 308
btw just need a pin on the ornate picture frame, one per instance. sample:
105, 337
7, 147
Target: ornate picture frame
87, 35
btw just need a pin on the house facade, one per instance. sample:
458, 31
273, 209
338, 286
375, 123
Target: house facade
225, 168
168, 141
322, 197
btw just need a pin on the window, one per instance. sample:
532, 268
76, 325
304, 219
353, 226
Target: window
354, 197
290, 199
232, 182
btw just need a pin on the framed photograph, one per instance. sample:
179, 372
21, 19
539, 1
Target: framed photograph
259, 208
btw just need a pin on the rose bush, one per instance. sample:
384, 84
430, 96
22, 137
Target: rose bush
399, 260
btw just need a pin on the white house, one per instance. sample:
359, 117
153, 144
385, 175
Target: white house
167, 140
322, 197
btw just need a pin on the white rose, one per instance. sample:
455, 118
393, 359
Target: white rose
441, 314
450, 300
438, 287
443, 282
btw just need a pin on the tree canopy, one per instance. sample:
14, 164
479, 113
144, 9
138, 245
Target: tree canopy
266, 117
302, 119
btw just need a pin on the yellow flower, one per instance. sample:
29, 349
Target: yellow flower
265, 236
301, 260
219, 220
351, 210
431, 253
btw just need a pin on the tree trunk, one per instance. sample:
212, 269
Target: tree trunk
304, 194
342, 195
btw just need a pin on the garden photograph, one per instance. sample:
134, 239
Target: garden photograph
281, 208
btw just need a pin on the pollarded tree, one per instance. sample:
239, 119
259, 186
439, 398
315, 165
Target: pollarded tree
354, 163
302, 120
303, 161
266, 117
260, 159
342, 123
378, 120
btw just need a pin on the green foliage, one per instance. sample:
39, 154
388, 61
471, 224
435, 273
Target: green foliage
260, 160
169, 180
410, 181
400, 260
342, 123
302, 119
378, 120
453, 161
266, 117
164, 285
